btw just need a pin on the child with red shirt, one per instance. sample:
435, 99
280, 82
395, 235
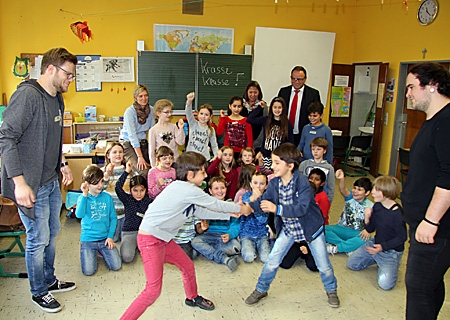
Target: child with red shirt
317, 176
238, 133
224, 166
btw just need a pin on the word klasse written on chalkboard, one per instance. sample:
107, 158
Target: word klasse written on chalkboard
217, 70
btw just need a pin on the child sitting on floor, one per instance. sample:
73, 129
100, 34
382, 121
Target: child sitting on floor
98, 223
386, 249
218, 242
344, 236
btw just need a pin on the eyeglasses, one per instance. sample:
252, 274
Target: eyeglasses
167, 112
298, 79
69, 75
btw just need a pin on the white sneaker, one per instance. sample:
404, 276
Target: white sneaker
332, 249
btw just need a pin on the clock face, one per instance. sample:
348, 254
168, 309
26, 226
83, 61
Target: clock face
427, 11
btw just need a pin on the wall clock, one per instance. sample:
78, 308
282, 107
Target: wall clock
427, 11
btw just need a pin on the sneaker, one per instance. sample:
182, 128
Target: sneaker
332, 249
61, 286
333, 299
47, 303
350, 253
232, 263
200, 302
255, 297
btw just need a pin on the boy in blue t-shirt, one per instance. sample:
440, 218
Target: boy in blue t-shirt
344, 236
315, 129
98, 223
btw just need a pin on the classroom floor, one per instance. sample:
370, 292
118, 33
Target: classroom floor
295, 294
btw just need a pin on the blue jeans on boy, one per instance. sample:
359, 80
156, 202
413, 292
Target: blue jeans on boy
210, 245
282, 245
249, 245
41, 234
88, 256
388, 263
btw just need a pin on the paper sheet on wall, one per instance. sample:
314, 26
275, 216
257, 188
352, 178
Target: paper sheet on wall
89, 73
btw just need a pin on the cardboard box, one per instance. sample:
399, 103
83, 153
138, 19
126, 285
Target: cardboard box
90, 113
68, 122
68, 115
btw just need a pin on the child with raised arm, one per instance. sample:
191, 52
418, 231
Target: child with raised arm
98, 217
319, 148
164, 216
315, 129
201, 133
254, 233
386, 249
160, 176
344, 236
136, 203
297, 218
164, 133
219, 242
238, 133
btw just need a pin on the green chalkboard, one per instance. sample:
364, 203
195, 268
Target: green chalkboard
222, 76
167, 75
214, 77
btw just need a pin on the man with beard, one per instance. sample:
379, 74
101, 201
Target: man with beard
426, 194
31, 145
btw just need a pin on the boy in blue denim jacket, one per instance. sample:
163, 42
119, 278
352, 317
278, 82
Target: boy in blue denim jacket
297, 218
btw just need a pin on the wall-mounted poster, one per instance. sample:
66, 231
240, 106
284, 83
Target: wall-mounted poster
88, 71
193, 39
340, 101
117, 69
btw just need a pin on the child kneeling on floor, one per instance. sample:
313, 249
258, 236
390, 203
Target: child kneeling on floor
297, 218
164, 216
386, 249
98, 223
219, 241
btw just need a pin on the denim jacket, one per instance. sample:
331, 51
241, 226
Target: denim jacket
304, 207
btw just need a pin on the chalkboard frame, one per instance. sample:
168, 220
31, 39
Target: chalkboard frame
215, 78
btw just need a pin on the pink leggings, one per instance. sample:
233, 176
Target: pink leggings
155, 252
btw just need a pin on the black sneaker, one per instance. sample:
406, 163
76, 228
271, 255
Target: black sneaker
47, 303
61, 286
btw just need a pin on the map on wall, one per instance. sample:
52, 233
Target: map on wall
193, 39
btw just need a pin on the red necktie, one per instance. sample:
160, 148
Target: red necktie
293, 108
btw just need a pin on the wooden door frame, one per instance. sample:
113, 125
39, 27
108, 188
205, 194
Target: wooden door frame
398, 137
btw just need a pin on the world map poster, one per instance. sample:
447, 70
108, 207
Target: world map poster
175, 38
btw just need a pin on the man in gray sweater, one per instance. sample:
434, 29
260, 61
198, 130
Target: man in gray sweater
30, 146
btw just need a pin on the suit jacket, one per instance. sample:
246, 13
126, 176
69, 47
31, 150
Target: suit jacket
309, 95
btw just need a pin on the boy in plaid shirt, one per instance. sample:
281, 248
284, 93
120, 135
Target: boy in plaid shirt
297, 218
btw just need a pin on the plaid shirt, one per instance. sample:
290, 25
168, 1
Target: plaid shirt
291, 226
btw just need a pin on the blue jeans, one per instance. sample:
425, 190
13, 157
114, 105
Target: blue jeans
249, 245
279, 250
388, 263
88, 256
41, 234
118, 232
210, 245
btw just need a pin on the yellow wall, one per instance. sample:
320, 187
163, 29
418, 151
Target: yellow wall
365, 31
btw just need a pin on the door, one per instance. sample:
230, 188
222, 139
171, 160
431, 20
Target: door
379, 119
343, 123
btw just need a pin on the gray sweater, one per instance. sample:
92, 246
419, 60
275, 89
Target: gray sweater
23, 136
307, 165
178, 201
200, 137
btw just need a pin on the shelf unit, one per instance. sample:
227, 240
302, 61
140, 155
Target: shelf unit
89, 127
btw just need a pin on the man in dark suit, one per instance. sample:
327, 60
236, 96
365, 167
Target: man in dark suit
301, 96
